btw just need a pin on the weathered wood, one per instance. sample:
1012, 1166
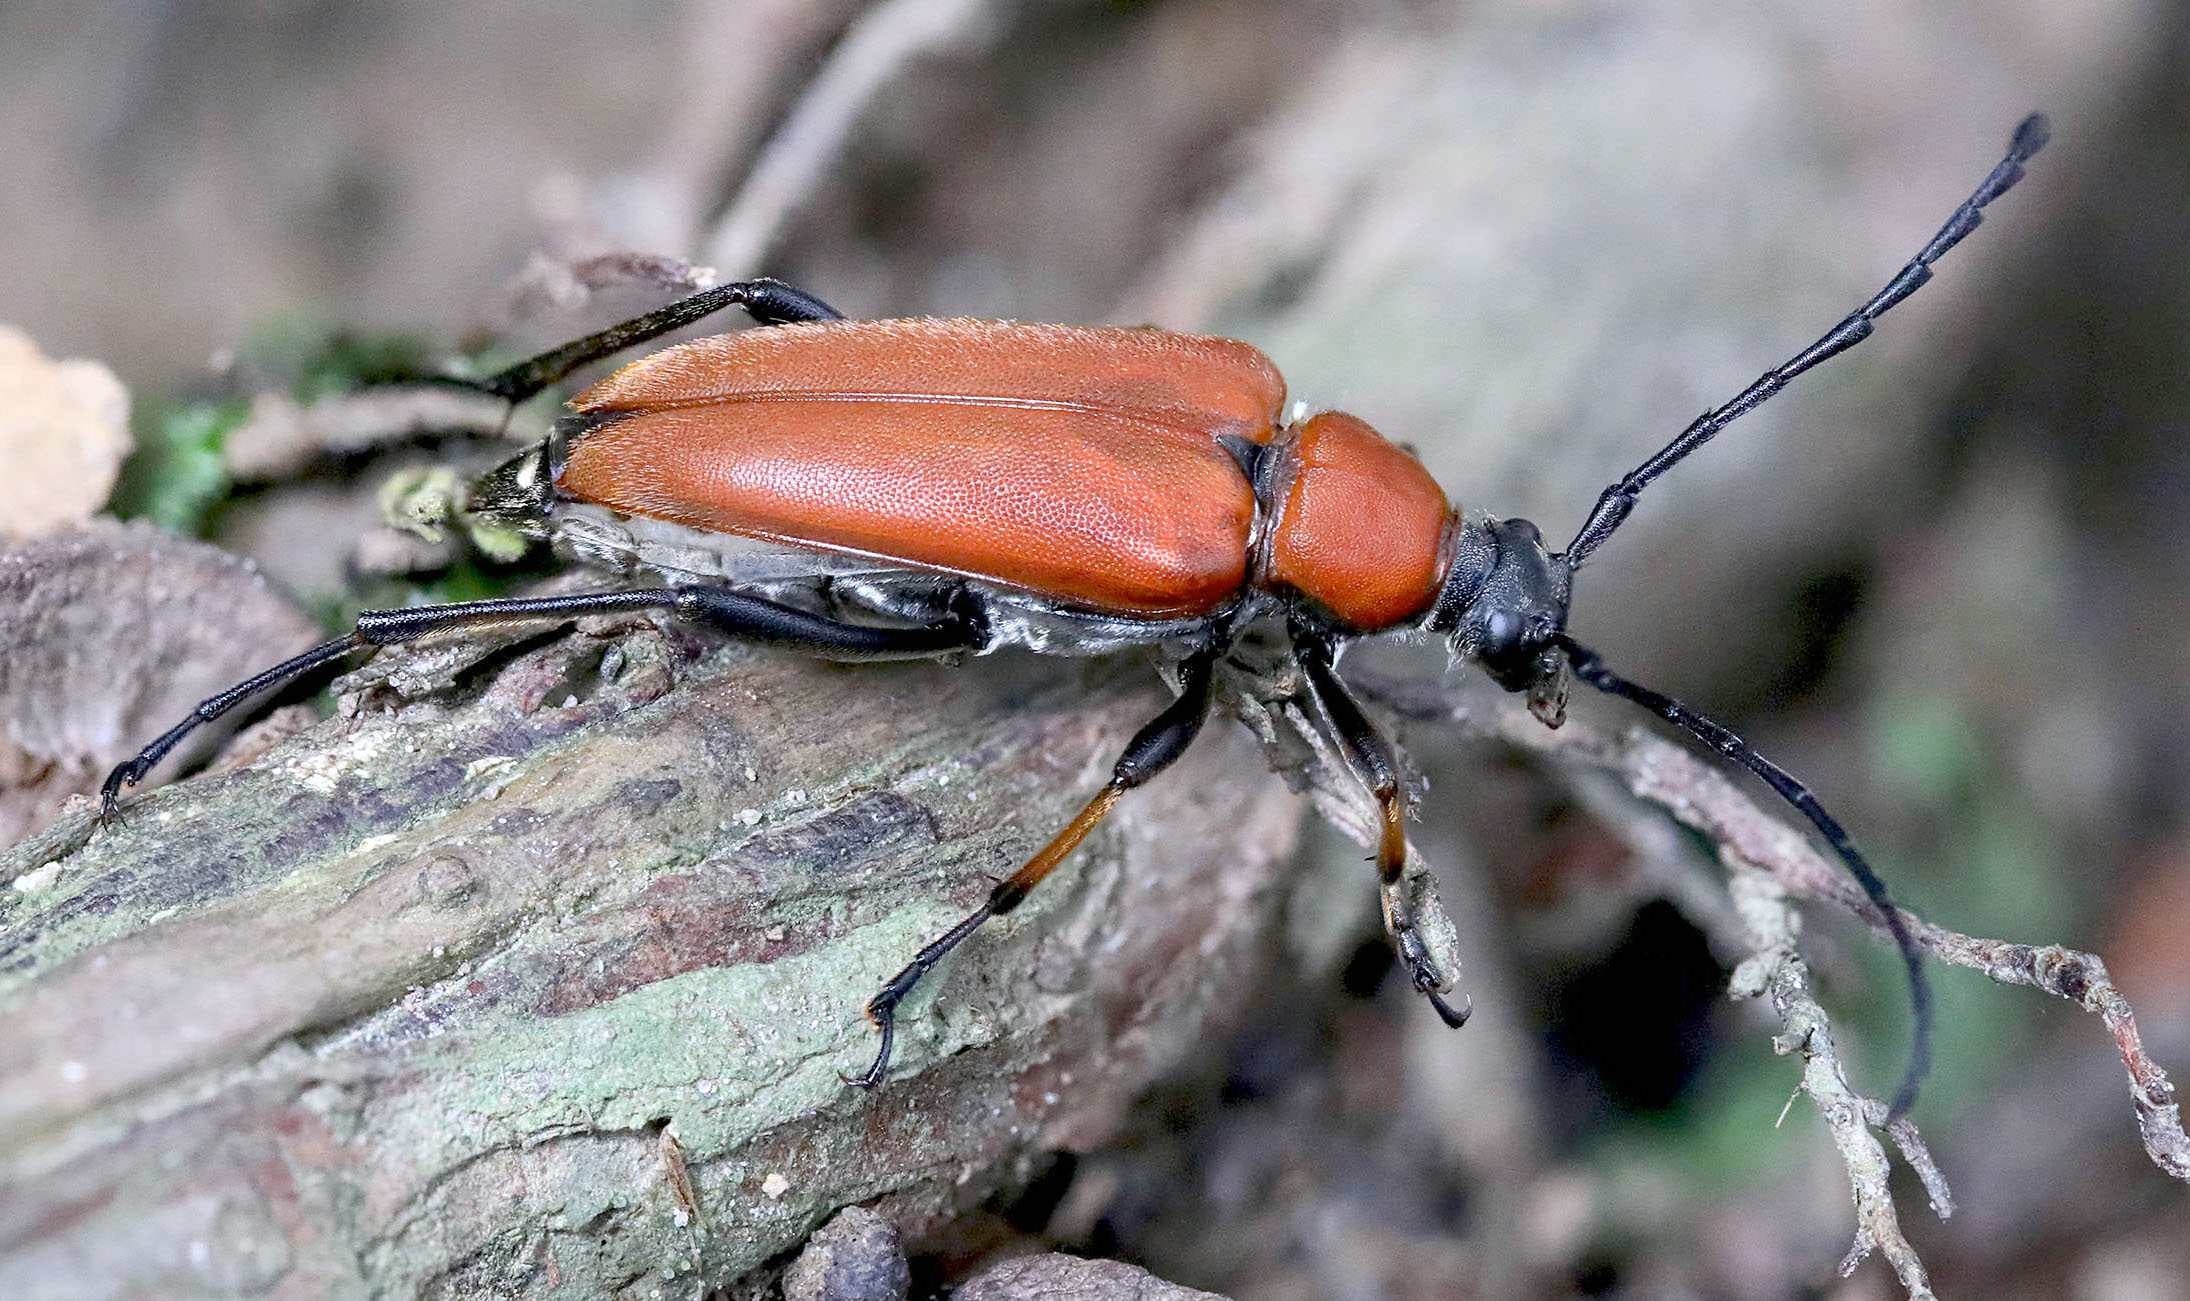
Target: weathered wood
439, 997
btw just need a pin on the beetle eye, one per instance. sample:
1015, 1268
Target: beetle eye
1500, 631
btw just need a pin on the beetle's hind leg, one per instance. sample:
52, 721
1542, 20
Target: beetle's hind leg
1372, 757
134, 770
1153, 749
749, 617
770, 302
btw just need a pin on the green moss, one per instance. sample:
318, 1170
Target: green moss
176, 477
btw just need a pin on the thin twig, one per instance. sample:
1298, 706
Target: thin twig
1770, 863
743, 62
1672, 866
1776, 971
878, 48
1705, 799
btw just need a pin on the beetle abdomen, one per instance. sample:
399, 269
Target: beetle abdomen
1083, 464
1361, 531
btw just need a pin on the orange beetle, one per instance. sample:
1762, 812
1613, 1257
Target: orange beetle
917, 488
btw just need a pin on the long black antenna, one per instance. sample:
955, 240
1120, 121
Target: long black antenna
1591, 669
1613, 506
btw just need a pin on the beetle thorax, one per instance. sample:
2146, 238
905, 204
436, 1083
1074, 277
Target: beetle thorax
1358, 527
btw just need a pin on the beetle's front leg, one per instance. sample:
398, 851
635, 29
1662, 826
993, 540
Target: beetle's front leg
1372, 757
1153, 749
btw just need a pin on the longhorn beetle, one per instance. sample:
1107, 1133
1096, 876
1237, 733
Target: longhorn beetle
955, 486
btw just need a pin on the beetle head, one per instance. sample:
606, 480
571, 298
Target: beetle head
1504, 606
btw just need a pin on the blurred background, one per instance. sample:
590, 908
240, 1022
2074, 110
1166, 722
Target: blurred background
1940, 578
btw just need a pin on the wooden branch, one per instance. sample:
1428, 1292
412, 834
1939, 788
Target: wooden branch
537, 972
1770, 865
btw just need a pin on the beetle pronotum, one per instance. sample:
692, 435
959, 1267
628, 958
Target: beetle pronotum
959, 486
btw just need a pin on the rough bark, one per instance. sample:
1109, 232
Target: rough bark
534, 974
1066, 1278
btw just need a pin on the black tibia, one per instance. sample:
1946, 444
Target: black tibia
755, 619
1153, 749
747, 616
770, 302
1591, 669
1372, 757
1365, 747
1615, 503
289, 670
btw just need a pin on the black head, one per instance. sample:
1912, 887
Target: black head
1504, 606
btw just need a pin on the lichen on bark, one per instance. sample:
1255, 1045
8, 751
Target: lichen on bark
422, 1000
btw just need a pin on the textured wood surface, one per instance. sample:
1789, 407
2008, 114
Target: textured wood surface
462, 990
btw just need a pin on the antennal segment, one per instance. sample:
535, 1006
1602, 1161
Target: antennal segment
1613, 506
1591, 669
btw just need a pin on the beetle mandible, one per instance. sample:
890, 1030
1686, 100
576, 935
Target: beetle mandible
967, 485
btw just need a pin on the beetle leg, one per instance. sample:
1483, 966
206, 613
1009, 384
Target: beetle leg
770, 302
754, 618
1153, 749
1373, 758
749, 617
